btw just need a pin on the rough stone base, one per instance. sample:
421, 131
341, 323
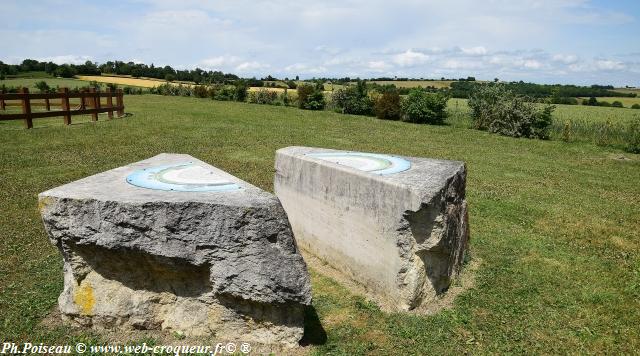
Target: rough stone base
222, 264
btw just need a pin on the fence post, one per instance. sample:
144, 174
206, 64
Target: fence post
47, 104
64, 101
94, 104
83, 100
2, 105
110, 103
26, 108
120, 102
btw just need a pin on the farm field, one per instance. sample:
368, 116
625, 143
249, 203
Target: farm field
627, 102
121, 80
557, 238
416, 83
53, 82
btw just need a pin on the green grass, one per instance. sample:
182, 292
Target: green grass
626, 102
555, 224
53, 82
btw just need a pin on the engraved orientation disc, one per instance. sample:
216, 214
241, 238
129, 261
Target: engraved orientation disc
181, 177
368, 162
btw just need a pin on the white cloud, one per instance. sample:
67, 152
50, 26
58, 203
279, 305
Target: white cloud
410, 58
378, 66
565, 58
609, 64
474, 51
69, 58
252, 66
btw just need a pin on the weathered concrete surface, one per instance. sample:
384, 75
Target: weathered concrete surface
205, 263
402, 235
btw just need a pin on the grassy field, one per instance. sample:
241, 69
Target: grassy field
555, 225
627, 102
53, 82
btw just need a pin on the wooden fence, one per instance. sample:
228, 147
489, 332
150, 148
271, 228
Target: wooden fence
90, 104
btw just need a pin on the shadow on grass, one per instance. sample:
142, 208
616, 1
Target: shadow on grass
314, 333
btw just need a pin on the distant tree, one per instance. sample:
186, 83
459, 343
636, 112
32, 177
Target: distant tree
635, 106
169, 77
617, 104
592, 101
65, 71
297, 77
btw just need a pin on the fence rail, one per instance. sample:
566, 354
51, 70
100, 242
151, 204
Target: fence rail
90, 104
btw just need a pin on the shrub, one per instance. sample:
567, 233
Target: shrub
499, 110
263, 96
424, 108
112, 86
353, 100
310, 97
590, 102
635, 106
42, 86
388, 106
604, 103
291, 84
633, 136
285, 98
225, 93
200, 91
169, 77
617, 104
241, 90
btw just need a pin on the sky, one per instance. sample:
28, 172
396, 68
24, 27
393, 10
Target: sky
545, 41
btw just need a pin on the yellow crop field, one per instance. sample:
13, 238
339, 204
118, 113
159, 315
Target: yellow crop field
136, 82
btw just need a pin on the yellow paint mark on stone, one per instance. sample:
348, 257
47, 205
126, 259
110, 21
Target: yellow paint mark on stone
44, 202
83, 297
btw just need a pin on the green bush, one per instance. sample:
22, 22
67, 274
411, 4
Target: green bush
200, 91
635, 106
424, 108
42, 86
633, 136
388, 106
311, 97
263, 96
617, 104
353, 100
241, 90
496, 109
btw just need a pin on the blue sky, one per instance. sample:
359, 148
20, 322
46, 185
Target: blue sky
546, 41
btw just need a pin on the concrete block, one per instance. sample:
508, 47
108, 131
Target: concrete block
396, 225
176, 244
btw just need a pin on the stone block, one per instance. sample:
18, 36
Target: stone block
395, 225
173, 243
